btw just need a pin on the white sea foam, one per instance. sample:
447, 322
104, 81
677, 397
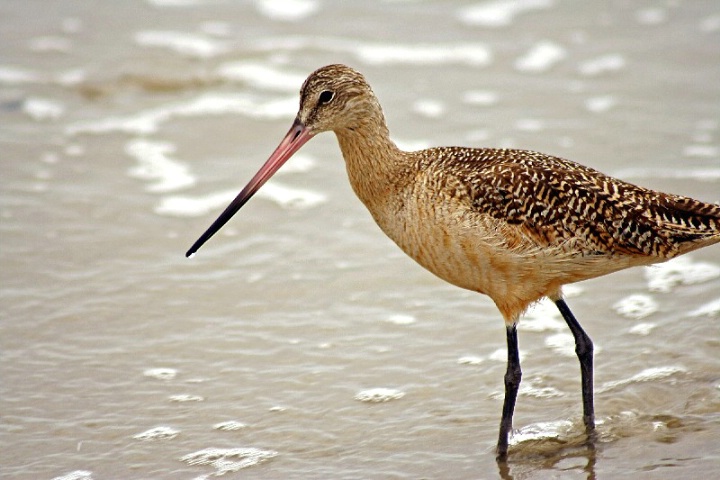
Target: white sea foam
710, 24
411, 145
143, 123
74, 150
702, 151
429, 108
710, 309
227, 460
184, 43
649, 374
500, 13
500, 355
186, 397
561, 343
529, 125
155, 164
379, 395
229, 425
564, 344
195, 206
158, 433
572, 290
480, 97
70, 77
43, 108
161, 373
424, 54
651, 16
605, 63
186, 206
287, 10
470, 360
541, 57
76, 475
288, 197
477, 136
12, 75
401, 319
679, 271
539, 392
601, 103
50, 44
262, 76
473, 54
148, 121
540, 431
543, 316
531, 388
16, 75
636, 306
298, 163
642, 329
71, 25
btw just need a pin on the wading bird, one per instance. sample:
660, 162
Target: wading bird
515, 225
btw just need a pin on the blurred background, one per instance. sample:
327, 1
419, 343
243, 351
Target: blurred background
300, 343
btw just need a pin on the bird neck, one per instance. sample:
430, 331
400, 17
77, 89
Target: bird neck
375, 165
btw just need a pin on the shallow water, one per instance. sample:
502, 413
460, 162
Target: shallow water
300, 342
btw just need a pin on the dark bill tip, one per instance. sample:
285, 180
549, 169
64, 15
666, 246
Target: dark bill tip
291, 143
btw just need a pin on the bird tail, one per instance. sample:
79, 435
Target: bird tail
691, 224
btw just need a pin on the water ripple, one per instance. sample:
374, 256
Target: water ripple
379, 395
226, 460
500, 13
158, 433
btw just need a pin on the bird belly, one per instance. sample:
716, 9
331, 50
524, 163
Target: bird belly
480, 253
466, 251
474, 258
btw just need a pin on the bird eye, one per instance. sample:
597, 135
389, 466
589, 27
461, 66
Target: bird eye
326, 97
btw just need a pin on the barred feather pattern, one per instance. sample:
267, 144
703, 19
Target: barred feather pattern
560, 202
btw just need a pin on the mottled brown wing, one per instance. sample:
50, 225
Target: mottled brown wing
558, 202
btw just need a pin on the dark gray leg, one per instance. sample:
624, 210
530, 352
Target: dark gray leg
584, 351
512, 383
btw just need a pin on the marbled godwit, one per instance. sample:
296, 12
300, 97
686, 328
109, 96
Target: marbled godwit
515, 225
